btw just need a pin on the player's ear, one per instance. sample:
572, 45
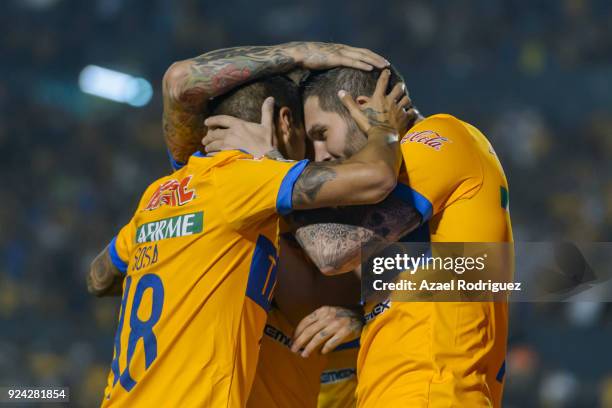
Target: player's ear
284, 125
362, 100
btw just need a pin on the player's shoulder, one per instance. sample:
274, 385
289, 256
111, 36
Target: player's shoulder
444, 123
202, 163
438, 131
251, 164
228, 161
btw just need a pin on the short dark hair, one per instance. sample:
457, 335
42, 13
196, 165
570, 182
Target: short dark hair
326, 84
245, 101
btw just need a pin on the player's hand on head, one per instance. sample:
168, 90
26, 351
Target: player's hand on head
320, 55
402, 114
378, 112
230, 133
326, 328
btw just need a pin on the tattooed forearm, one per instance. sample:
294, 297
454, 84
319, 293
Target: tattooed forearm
334, 239
310, 182
219, 71
333, 247
103, 278
189, 85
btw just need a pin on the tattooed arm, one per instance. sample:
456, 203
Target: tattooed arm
334, 238
104, 279
188, 85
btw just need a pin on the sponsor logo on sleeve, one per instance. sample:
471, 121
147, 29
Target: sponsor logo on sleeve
427, 137
179, 226
173, 193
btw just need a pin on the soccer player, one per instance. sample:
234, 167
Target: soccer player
197, 262
282, 378
414, 354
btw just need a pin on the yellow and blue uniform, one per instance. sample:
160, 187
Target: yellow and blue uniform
430, 354
283, 378
199, 258
339, 378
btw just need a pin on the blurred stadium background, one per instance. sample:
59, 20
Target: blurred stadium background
535, 76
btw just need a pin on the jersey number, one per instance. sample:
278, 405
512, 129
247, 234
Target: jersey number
139, 329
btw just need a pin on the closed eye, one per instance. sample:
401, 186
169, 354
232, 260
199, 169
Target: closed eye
317, 133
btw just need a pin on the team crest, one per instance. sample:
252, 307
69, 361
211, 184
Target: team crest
426, 137
173, 193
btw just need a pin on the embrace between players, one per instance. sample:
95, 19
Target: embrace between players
307, 151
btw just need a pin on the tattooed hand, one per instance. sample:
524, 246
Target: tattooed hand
328, 325
229, 133
402, 114
319, 55
383, 112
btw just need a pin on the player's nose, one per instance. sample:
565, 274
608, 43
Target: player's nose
321, 153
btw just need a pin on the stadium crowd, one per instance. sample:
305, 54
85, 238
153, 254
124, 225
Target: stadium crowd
531, 75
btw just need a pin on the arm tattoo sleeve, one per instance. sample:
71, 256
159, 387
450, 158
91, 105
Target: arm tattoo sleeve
210, 75
334, 238
309, 183
217, 72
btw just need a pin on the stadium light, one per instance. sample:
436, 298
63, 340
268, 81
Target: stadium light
114, 85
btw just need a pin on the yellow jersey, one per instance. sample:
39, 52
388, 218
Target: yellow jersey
199, 258
440, 354
284, 379
339, 378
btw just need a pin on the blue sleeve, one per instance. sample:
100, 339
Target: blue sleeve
116, 260
284, 203
415, 199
